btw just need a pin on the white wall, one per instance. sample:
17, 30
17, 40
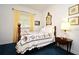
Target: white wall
6, 24
59, 12
7, 19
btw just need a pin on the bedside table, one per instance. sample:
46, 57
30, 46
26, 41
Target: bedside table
64, 41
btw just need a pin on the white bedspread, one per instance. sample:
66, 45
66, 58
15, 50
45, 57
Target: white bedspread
40, 39
33, 40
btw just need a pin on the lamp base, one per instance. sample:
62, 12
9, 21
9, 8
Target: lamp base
65, 30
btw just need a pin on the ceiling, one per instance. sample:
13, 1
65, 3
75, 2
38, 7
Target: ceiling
39, 7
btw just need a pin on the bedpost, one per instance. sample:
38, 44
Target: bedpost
19, 31
55, 31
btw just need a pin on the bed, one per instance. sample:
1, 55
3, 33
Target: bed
33, 40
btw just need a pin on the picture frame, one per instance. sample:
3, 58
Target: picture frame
74, 20
49, 19
37, 22
73, 9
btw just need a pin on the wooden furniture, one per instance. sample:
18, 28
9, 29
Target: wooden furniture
64, 41
19, 31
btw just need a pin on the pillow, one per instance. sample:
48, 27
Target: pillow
48, 29
46, 36
25, 31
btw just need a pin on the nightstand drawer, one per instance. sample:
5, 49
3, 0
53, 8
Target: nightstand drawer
61, 40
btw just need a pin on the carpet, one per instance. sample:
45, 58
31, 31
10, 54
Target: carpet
51, 49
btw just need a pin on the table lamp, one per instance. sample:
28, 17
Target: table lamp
65, 27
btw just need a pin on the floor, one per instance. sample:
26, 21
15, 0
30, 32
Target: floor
9, 49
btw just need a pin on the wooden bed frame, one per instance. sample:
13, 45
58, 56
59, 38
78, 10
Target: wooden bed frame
19, 31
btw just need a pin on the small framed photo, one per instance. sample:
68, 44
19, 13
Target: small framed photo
37, 22
74, 20
73, 9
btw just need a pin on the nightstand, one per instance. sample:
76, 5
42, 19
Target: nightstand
64, 41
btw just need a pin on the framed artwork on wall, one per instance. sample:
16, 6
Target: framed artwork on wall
73, 9
49, 19
37, 22
74, 20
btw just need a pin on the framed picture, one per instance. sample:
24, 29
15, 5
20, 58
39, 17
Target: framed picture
37, 22
74, 20
74, 9
49, 19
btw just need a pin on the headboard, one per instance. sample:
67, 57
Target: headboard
55, 31
19, 32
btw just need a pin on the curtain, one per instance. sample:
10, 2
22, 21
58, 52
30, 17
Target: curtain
17, 15
16, 21
31, 18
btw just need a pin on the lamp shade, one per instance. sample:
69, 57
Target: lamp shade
65, 26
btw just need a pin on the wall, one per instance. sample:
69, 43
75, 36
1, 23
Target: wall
59, 12
6, 24
7, 19
36, 13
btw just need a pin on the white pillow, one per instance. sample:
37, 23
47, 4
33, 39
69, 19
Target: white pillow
25, 31
48, 29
